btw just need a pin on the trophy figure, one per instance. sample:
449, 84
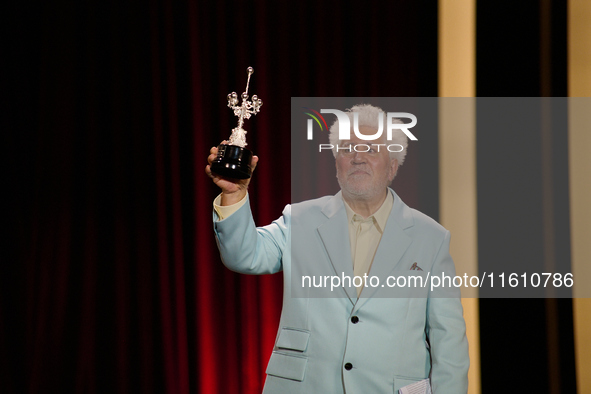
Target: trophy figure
233, 160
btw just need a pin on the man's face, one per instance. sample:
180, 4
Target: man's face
365, 175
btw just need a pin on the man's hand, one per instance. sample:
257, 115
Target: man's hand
233, 190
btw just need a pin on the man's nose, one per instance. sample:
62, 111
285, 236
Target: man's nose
358, 157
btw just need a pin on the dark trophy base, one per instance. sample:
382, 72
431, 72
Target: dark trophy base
232, 162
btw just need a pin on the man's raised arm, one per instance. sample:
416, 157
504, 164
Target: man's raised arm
243, 247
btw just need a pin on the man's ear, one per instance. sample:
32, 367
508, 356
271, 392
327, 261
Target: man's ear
394, 167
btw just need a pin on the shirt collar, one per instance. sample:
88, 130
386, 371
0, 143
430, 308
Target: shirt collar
380, 216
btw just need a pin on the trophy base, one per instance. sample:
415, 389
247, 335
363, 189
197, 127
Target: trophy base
232, 162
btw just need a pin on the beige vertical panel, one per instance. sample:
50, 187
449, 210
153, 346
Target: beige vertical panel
579, 145
579, 48
457, 43
580, 219
457, 196
457, 154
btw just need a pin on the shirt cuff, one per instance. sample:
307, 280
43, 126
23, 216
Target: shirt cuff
227, 210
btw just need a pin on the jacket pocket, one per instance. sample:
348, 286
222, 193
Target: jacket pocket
293, 339
287, 366
423, 385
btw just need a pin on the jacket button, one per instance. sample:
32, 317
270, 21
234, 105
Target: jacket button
354, 320
348, 366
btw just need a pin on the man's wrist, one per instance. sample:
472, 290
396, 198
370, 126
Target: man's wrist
232, 198
226, 210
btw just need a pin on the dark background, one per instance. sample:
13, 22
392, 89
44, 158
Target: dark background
111, 281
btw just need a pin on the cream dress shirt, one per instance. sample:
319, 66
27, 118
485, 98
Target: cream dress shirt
365, 236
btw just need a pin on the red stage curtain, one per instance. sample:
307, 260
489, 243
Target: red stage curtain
116, 283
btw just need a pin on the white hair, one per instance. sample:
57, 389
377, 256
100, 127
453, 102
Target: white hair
369, 116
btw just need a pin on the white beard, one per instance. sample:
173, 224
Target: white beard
363, 186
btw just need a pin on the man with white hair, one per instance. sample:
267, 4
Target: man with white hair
365, 338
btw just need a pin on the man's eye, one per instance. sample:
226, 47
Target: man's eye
346, 149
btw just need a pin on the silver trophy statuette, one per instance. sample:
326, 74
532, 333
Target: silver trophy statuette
233, 160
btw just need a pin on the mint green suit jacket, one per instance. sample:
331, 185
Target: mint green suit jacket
330, 341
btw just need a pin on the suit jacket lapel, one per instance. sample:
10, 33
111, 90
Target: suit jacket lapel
392, 247
335, 236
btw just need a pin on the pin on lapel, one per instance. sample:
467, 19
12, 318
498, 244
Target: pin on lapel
415, 267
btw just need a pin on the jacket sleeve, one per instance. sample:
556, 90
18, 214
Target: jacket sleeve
247, 249
446, 330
